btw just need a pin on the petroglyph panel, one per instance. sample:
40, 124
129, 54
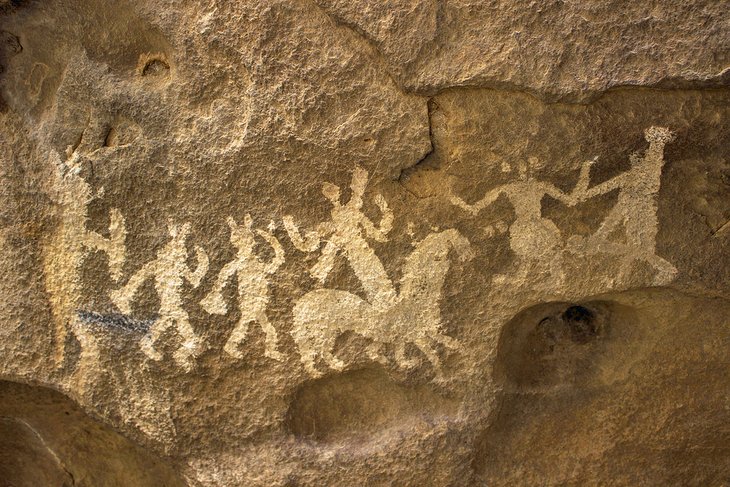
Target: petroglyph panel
332, 243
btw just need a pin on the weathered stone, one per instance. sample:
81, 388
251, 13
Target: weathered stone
364, 243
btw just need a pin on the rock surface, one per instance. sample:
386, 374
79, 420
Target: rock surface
419, 243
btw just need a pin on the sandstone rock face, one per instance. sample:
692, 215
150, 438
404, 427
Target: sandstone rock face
312, 243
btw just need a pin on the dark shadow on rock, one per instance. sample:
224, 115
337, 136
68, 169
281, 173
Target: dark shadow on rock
46, 439
626, 389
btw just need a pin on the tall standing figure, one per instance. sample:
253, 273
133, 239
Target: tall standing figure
170, 271
636, 207
253, 287
72, 243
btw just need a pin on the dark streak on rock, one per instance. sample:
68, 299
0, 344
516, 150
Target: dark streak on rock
116, 320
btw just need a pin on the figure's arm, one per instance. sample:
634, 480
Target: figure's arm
607, 186
308, 243
278, 259
554, 192
213, 303
325, 263
194, 277
474, 209
386, 222
122, 297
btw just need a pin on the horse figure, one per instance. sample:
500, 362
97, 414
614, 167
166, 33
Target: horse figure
322, 315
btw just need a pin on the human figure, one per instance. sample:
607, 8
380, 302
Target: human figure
636, 207
170, 271
253, 287
347, 233
72, 243
533, 239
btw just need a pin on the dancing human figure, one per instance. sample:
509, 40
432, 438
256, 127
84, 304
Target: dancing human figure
169, 271
533, 239
635, 208
253, 287
347, 233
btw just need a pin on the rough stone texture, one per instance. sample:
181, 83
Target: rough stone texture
317, 243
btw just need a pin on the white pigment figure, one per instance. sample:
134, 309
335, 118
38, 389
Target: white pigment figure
253, 286
72, 243
169, 271
347, 233
635, 209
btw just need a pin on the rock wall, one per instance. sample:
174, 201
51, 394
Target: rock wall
306, 243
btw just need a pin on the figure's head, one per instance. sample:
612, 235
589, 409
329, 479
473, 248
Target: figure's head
241, 236
331, 192
660, 135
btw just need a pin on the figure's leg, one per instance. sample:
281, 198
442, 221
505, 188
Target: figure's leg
614, 219
272, 339
238, 335
147, 343
191, 342
214, 303
325, 263
370, 272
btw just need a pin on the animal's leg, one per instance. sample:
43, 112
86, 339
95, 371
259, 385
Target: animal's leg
237, 336
272, 339
373, 353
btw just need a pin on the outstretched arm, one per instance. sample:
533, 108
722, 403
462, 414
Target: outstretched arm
607, 186
474, 209
195, 277
278, 259
386, 222
554, 192
308, 243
